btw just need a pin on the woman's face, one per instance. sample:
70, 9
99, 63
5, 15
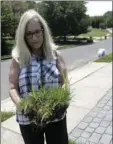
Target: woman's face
34, 34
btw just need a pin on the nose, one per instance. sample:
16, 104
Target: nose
34, 37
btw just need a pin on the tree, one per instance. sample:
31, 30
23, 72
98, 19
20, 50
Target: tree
96, 21
103, 25
31, 5
102, 21
108, 19
65, 17
17, 12
6, 19
10, 15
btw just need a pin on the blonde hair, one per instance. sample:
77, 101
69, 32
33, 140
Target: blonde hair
21, 50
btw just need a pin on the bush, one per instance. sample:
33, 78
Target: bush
90, 40
4, 49
6, 46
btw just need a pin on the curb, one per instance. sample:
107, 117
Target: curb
87, 74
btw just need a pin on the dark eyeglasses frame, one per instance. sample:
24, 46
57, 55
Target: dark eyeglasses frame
37, 34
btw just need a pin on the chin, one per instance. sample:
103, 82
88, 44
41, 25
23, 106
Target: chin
36, 47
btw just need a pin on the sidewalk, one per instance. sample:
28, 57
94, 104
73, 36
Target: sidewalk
96, 127
89, 85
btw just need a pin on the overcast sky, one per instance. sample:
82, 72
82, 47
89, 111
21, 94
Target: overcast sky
95, 8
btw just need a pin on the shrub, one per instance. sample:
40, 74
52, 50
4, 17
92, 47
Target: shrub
90, 40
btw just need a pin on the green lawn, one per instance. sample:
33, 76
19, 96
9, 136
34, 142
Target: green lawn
106, 58
10, 42
95, 33
6, 115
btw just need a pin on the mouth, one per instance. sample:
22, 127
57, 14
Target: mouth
36, 43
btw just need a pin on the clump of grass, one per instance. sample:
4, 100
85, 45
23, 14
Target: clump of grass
72, 142
46, 104
6, 115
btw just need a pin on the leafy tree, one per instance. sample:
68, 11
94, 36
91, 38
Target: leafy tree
96, 21
108, 19
103, 25
10, 15
31, 5
102, 21
6, 19
65, 17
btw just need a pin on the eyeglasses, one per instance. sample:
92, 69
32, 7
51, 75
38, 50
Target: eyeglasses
37, 33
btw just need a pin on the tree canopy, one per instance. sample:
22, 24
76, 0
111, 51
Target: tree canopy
63, 17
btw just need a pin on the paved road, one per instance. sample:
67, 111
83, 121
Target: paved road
79, 56
74, 58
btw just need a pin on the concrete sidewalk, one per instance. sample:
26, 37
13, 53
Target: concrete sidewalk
89, 85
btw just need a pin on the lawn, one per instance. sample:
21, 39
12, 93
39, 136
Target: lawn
106, 58
96, 33
6, 115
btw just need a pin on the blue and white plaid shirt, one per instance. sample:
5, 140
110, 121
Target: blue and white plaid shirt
40, 71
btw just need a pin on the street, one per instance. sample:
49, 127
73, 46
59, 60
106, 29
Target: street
81, 55
74, 58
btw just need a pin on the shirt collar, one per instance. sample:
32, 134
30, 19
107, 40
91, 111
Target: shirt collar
36, 57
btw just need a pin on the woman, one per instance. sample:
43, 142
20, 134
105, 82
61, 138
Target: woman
35, 57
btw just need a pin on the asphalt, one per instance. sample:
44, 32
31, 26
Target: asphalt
89, 114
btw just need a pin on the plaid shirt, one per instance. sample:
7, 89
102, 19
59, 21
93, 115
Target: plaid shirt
40, 71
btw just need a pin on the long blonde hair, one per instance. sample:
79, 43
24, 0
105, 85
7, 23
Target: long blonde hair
21, 50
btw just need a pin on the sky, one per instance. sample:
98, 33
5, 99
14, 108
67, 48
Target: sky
98, 8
